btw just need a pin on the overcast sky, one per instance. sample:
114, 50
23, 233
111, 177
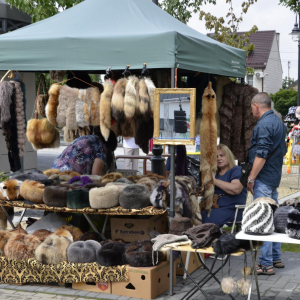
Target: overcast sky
266, 15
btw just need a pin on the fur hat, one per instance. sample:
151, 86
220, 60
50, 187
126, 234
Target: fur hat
53, 250
10, 189
83, 252
135, 196
4, 237
52, 104
32, 190
78, 199
104, 197
124, 180
42, 234
112, 254
149, 183
293, 224
268, 200
179, 225
21, 246
55, 196
70, 173
258, 219
117, 101
95, 236
281, 218
34, 175
119, 185
139, 254
75, 232
51, 172
110, 177
131, 99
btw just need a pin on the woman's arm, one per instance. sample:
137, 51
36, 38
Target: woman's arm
98, 166
232, 188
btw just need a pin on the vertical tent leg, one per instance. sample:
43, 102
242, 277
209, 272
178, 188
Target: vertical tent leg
171, 272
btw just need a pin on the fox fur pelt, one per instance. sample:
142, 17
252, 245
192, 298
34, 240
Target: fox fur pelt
32, 190
4, 237
128, 128
144, 99
6, 91
50, 172
117, 101
105, 109
208, 133
10, 189
143, 133
75, 231
110, 177
51, 107
95, 113
42, 234
150, 87
131, 98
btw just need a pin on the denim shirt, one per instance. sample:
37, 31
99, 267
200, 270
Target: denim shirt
268, 134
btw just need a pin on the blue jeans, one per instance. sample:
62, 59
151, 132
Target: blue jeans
270, 251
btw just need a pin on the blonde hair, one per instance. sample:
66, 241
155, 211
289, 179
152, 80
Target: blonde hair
228, 153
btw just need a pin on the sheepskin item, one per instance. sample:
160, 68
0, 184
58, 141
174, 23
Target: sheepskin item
10, 189
51, 107
110, 177
150, 88
81, 122
208, 133
167, 241
55, 196
112, 254
246, 271
144, 99
57, 76
135, 196
243, 286
119, 185
78, 199
95, 236
32, 190
75, 232
258, 219
131, 98
42, 234
105, 109
105, 197
117, 101
83, 252
228, 285
41, 134
53, 250
4, 237
6, 92
94, 93
20, 115
281, 218
21, 246
139, 254
180, 224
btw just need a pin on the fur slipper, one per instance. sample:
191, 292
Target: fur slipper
73, 230
55, 196
95, 236
32, 190
131, 98
21, 246
117, 101
105, 197
78, 199
42, 234
10, 189
110, 177
52, 104
83, 252
4, 237
135, 196
112, 254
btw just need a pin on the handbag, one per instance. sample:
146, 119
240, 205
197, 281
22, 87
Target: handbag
42, 99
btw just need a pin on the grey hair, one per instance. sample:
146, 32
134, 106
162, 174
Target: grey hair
263, 99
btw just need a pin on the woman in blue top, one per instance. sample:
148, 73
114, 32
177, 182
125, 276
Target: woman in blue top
229, 188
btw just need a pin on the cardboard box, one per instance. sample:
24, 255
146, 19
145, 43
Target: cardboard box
145, 283
97, 287
137, 227
194, 263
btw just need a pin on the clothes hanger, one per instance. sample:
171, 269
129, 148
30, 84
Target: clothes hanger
11, 75
74, 77
108, 73
145, 71
126, 71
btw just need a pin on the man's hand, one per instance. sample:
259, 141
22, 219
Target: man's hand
250, 187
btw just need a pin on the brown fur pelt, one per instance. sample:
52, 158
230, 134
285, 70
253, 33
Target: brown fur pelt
128, 128
144, 99
51, 172
105, 109
63, 104
10, 189
94, 95
32, 190
4, 237
208, 133
21, 246
42, 234
111, 177
51, 107
99, 86
131, 98
64, 233
196, 213
143, 133
70, 135
117, 101
150, 87
75, 231
3, 220
19, 229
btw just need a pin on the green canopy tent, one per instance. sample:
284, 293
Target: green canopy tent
99, 33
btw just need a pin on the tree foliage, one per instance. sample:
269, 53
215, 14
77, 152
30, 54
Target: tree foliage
283, 100
286, 82
294, 5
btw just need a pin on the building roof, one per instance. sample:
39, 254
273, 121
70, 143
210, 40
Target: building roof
6, 12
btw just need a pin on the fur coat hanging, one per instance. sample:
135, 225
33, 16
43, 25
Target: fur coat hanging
208, 146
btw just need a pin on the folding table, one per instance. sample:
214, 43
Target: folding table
211, 272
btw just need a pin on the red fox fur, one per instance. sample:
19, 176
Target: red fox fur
117, 101
32, 190
51, 107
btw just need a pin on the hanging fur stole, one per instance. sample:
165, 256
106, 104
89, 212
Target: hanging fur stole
131, 98
81, 122
143, 133
128, 128
117, 101
6, 91
93, 96
208, 133
20, 118
144, 99
51, 107
105, 109
150, 87
116, 128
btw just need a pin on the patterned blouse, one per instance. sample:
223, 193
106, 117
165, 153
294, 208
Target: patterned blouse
80, 155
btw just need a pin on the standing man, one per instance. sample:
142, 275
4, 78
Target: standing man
130, 148
266, 153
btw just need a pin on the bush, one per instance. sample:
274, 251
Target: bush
283, 100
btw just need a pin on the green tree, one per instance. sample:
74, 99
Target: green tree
294, 5
286, 82
284, 99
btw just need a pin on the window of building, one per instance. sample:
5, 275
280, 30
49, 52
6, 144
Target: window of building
250, 79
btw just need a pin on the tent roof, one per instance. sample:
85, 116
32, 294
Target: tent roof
99, 33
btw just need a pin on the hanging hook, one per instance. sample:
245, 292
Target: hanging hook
126, 71
109, 73
145, 71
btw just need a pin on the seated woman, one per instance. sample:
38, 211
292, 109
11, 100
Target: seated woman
86, 154
229, 188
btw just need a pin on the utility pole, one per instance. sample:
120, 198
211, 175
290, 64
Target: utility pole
289, 64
